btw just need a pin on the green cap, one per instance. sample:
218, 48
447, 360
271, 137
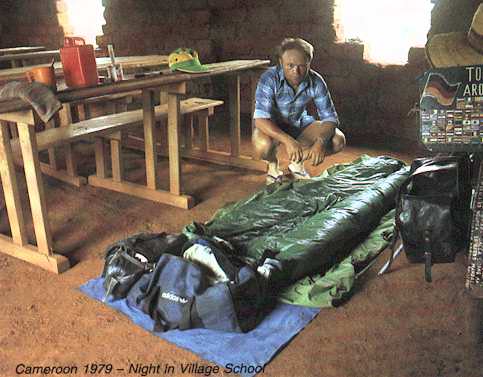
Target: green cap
186, 60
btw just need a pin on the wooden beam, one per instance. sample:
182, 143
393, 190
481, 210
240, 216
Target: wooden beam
10, 189
101, 163
24, 116
216, 157
52, 153
149, 121
70, 159
188, 134
234, 106
203, 130
59, 174
54, 262
116, 157
254, 77
13, 130
173, 144
141, 191
35, 187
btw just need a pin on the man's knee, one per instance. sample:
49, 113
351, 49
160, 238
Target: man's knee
263, 145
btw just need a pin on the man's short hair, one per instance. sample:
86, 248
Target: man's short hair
296, 44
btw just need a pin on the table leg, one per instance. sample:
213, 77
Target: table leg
173, 144
149, 122
28, 144
234, 106
253, 88
10, 188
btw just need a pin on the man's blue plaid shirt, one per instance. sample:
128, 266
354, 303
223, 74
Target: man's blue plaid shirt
276, 100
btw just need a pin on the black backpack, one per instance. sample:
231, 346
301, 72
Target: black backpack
433, 211
127, 260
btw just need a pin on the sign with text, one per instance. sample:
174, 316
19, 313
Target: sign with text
452, 109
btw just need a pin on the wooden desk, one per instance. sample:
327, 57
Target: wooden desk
22, 59
174, 85
69, 113
129, 63
20, 50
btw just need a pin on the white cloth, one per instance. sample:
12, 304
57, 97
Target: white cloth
203, 255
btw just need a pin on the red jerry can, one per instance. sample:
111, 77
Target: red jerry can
79, 63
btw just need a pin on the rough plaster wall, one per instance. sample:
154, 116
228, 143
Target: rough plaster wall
452, 15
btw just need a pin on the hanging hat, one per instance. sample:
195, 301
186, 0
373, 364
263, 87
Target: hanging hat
458, 48
186, 60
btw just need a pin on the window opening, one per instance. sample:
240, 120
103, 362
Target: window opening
386, 28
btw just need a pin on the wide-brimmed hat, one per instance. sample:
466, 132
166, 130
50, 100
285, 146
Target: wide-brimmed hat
458, 48
186, 60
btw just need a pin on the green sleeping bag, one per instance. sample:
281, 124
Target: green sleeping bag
312, 224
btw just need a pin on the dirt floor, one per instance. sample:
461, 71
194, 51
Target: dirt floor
394, 325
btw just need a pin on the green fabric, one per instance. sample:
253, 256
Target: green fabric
322, 291
312, 224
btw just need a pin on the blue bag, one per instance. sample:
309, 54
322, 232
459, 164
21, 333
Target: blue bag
179, 294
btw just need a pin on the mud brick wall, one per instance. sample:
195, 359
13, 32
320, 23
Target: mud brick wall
150, 26
29, 22
372, 101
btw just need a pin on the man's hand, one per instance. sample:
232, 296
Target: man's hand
294, 150
316, 152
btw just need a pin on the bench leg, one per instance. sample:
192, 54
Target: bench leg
204, 131
101, 164
116, 157
70, 159
83, 111
188, 134
52, 154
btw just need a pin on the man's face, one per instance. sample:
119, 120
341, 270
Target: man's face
295, 66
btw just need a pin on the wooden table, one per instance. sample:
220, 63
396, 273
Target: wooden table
20, 59
128, 63
175, 86
69, 113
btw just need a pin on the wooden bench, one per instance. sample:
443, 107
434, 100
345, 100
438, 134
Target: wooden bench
109, 124
111, 127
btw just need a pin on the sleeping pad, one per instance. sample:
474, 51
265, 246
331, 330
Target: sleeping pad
314, 223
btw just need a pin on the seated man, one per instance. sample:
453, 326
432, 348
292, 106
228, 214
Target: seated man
283, 97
